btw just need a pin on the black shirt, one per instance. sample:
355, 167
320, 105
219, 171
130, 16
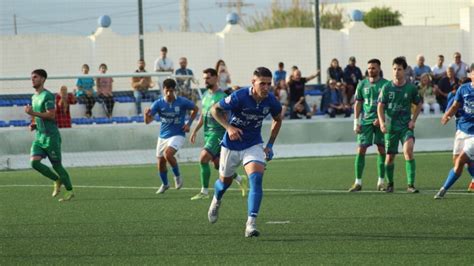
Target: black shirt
296, 89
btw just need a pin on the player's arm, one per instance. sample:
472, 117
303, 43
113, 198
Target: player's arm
381, 116
220, 115
411, 124
200, 123
357, 111
450, 112
275, 129
192, 116
50, 114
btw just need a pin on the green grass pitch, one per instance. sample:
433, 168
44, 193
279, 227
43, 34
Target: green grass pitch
306, 218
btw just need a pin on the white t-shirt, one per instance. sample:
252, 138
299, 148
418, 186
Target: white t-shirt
166, 64
460, 70
438, 70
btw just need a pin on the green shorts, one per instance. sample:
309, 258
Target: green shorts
392, 139
47, 146
370, 134
212, 144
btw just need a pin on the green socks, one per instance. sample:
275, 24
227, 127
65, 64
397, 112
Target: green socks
410, 168
389, 169
359, 165
43, 169
63, 175
205, 174
381, 165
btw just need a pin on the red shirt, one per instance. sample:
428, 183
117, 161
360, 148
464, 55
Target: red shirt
63, 115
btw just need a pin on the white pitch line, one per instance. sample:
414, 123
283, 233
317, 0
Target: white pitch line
293, 190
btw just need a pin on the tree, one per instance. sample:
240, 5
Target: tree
332, 19
379, 17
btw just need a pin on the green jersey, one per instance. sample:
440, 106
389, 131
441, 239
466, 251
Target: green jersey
398, 101
41, 103
210, 123
368, 94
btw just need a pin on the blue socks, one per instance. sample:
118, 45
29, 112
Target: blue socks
450, 180
470, 169
256, 193
219, 189
175, 170
164, 177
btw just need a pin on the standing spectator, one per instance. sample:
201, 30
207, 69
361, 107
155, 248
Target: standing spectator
85, 91
141, 86
279, 74
409, 73
460, 68
293, 68
335, 71
445, 86
223, 76
184, 84
63, 113
426, 91
420, 67
352, 76
104, 91
439, 70
163, 64
332, 102
281, 93
296, 87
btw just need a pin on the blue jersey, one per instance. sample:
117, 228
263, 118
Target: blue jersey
450, 103
172, 115
465, 96
248, 115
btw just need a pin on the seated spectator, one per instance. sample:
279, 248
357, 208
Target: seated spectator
352, 76
183, 85
460, 68
85, 91
444, 87
104, 91
332, 102
223, 75
420, 68
296, 91
426, 91
439, 70
141, 86
63, 114
279, 74
334, 71
281, 93
409, 73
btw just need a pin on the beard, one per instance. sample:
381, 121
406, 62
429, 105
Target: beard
209, 86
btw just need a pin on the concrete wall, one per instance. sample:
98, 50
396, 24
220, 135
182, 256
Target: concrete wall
242, 51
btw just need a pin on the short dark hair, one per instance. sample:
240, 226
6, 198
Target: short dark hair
169, 83
374, 61
262, 72
210, 71
281, 64
441, 56
103, 65
86, 66
164, 49
40, 72
400, 61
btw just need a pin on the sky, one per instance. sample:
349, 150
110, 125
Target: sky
81, 17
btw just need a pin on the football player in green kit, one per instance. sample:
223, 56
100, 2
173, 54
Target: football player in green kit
47, 141
366, 124
397, 122
213, 133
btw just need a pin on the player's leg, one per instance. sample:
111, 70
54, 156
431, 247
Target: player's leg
453, 174
161, 164
364, 140
391, 145
204, 174
470, 169
54, 155
175, 143
37, 154
381, 155
410, 165
229, 161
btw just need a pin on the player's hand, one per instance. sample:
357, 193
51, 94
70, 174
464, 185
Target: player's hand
445, 119
32, 127
376, 122
29, 109
192, 138
383, 128
268, 152
411, 125
147, 111
357, 129
234, 133
186, 128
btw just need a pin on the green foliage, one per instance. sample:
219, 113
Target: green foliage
379, 17
333, 20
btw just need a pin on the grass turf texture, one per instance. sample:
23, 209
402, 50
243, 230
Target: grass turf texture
326, 224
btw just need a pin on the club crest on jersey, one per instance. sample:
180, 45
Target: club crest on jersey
266, 110
176, 108
227, 99
406, 95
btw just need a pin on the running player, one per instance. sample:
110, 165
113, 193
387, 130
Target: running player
47, 141
172, 111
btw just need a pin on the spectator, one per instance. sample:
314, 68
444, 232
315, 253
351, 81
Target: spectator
104, 91
63, 113
332, 102
293, 68
223, 76
352, 76
279, 74
141, 86
409, 73
335, 71
281, 93
420, 68
184, 84
85, 91
439, 70
460, 68
445, 86
426, 91
296, 87
163, 64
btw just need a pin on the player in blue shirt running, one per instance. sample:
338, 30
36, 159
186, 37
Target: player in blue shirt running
464, 99
243, 142
172, 111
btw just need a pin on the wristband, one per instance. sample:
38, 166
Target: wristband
269, 145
